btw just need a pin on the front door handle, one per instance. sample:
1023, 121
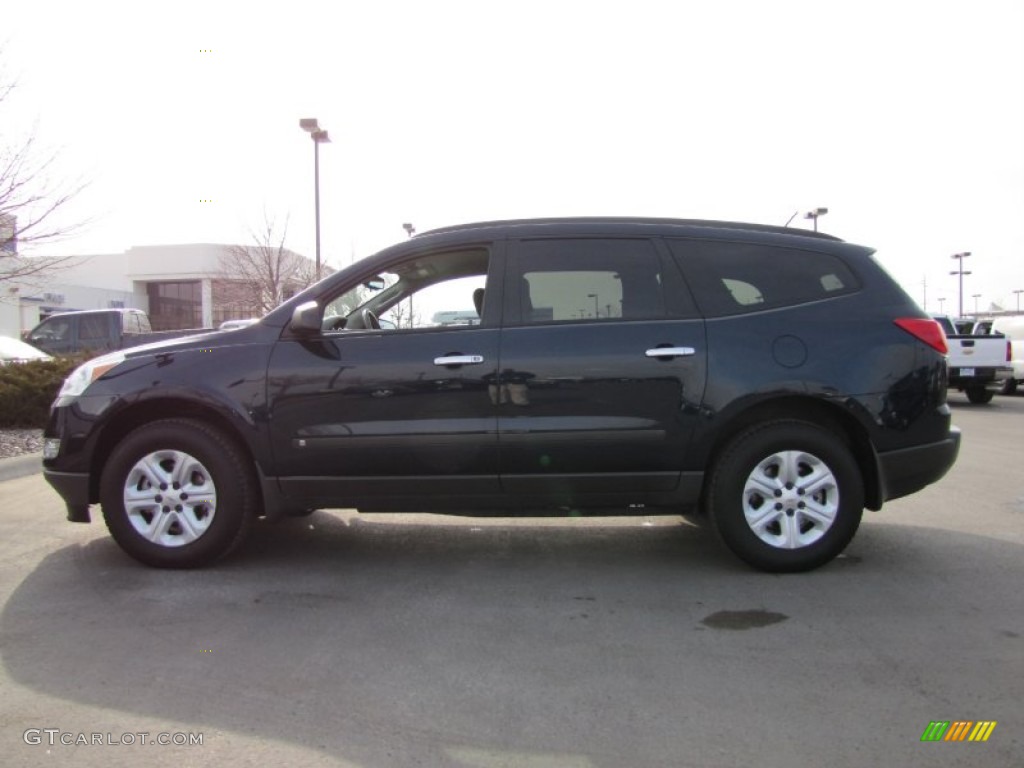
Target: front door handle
459, 360
663, 352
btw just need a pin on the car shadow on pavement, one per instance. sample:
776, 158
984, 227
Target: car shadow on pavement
402, 643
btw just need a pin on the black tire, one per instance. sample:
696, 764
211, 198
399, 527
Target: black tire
793, 527
164, 527
979, 395
1009, 387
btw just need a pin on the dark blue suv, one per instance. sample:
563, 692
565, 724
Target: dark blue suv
776, 381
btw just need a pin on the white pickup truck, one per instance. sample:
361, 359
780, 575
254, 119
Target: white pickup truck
978, 364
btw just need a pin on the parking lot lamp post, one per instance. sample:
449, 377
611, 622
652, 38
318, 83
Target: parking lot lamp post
815, 214
597, 312
319, 136
975, 296
1018, 292
942, 300
960, 271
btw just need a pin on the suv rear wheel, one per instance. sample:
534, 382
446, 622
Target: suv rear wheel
177, 493
786, 496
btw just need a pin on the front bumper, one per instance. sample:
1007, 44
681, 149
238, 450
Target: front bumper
73, 487
907, 470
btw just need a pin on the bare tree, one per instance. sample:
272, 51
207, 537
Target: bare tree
256, 278
403, 315
30, 203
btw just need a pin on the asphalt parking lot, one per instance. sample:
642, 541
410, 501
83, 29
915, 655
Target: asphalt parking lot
374, 641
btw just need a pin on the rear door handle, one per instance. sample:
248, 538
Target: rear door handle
459, 360
663, 352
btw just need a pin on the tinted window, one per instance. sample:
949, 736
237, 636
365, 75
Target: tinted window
92, 327
587, 280
733, 278
55, 329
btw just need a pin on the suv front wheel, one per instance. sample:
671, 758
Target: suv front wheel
177, 493
786, 496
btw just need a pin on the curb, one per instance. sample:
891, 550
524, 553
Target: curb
21, 466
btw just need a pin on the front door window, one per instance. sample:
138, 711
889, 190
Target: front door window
429, 291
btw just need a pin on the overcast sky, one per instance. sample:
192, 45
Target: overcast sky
904, 118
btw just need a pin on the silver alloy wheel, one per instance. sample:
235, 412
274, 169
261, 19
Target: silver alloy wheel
170, 498
791, 499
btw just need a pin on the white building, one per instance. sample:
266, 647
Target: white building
180, 286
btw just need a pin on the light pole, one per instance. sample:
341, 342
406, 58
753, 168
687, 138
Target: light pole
975, 296
1018, 292
319, 136
942, 300
597, 312
960, 271
815, 214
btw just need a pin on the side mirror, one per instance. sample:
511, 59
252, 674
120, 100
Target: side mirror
306, 318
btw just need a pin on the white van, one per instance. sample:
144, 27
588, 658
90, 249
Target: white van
1013, 329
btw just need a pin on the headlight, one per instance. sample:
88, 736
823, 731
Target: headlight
88, 372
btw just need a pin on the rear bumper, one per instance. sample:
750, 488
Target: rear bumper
905, 471
989, 378
73, 487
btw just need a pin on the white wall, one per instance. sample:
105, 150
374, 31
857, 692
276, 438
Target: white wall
10, 319
145, 263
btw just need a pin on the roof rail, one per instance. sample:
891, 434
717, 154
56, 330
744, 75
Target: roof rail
629, 220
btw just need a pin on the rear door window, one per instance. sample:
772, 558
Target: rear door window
590, 280
736, 278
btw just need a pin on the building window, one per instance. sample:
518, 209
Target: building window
175, 305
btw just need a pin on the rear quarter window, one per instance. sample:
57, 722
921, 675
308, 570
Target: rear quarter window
737, 278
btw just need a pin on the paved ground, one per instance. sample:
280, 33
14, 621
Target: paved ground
371, 641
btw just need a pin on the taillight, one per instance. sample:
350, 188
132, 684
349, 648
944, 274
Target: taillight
926, 330
1009, 352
